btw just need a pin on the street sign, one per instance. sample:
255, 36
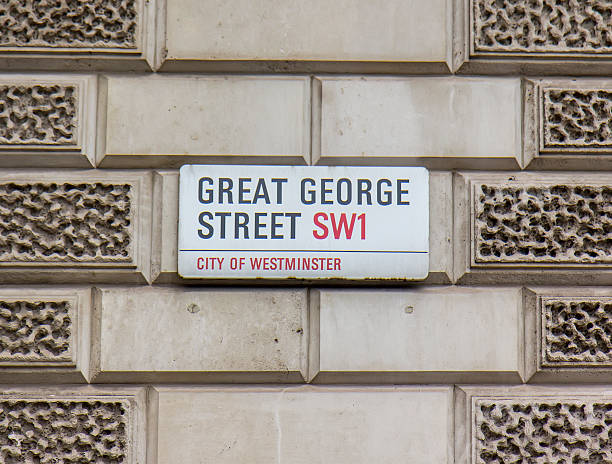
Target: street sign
279, 222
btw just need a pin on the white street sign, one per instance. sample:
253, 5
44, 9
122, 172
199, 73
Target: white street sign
277, 222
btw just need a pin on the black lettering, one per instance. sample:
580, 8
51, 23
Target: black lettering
293, 217
241, 221
202, 222
242, 190
226, 189
259, 225
201, 191
261, 186
387, 193
275, 225
363, 188
349, 191
312, 193
401, 191
223, 217
279, 190
325, 191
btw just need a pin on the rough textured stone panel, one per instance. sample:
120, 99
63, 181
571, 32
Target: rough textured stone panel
576, 331
65, 222
542, 431
542, 26
64, 431
35, 331
577, 118
68, 23
532, 223
38, 114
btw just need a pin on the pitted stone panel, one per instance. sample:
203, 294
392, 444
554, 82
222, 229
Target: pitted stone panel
98, 24
542, 26
576, 331
66, 222
577, 118
542, 223
36, 331
38, 114
62, 431
542, 430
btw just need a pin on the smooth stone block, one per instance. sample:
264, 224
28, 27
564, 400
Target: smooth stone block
179, 335
441, 334
162, 121
300, 425
440, 123
164, 264
294, 35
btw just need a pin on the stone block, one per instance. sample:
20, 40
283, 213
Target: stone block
569, 124
291, 35
47, 120
546, 228
533, 37
300, 425
532, 424
44, 334
94, 35
165, 232
440, 123
58, 424
425, 335
94, 226
168, 121
212, 335
570, 339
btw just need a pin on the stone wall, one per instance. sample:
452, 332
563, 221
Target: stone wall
503, 354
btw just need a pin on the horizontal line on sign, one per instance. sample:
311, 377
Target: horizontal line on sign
318, 251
